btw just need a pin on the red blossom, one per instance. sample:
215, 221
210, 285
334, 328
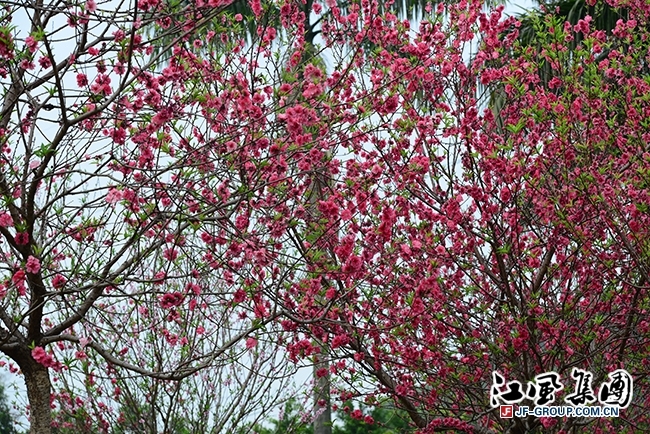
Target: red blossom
251, 343
170, 300
45, 62
82, 80
22, 238
193, 288
239, 296
18, 277
353, 264
58, 281
171, 254
339, 341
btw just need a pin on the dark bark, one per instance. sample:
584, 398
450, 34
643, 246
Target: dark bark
37, 380
39, 387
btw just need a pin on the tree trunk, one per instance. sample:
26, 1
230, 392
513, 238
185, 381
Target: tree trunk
322, 422
39, 388
37, 380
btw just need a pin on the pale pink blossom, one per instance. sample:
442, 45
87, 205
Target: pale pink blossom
251, 343
33, 265
114, 195
6, 220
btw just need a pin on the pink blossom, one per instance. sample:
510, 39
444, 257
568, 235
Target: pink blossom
91, 6
548, 422
33, 265
101, 86
329, 209
171, 299
260, 311
339, 341
45, 359
40, 355
390, 105
231, 146
6, 220
353, 264
193, 288
18, 277
6, 46
58, 281
239, 296
170, 254
82, 80
251, 343
45, 62
505, 194
114, 195
312, 90
27, 65
31, 43
22, 238
241, 222
18, 280
256, 7
206, 237
159, 278
119, 35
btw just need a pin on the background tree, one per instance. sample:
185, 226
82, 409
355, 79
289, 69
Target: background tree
107, 245
7, 417
292, 420
378, 420
601, 16
470, 247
